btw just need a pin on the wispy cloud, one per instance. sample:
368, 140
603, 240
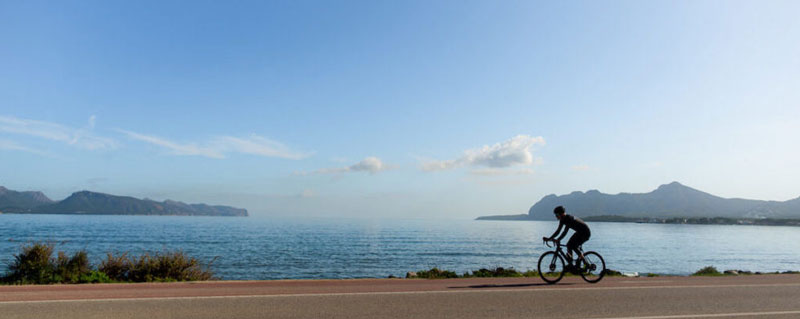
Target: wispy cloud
255, 145
13, 146
218, 147
173, 147
515, 151
372, 165
78, 137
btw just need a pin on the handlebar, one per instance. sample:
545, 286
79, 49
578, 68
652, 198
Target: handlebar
548, 240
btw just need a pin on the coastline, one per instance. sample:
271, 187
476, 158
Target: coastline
663, 220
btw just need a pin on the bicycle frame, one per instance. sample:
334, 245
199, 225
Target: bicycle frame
561, 252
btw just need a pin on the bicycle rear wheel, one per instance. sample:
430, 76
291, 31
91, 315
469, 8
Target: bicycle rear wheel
551, 267
593, 268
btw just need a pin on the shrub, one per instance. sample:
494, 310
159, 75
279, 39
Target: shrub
707, 271
168, 266
497, 272
33, 265
71, 269
435, 273
95, 277
116, 267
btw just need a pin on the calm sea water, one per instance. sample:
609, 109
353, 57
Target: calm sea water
264, 248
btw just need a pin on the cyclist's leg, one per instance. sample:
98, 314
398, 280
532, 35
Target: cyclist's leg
574, 243
580, 251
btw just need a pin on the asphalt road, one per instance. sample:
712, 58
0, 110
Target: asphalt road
765, 296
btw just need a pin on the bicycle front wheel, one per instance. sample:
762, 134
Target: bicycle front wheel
593, 268
551, 267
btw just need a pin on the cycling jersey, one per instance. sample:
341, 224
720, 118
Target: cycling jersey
574, 223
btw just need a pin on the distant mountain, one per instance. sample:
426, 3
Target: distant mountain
11, 201
91, 203
669, 200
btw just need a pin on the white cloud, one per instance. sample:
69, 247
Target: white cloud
581, 167
219, 146
372, 165
512, 152
369, 164
78, 137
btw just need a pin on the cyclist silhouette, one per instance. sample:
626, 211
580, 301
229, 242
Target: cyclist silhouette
582, 233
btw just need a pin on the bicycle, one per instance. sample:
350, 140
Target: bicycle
592, 270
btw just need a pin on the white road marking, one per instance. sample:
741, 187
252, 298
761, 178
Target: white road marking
714, 315
550, 289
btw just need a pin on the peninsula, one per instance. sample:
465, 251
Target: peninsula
669, 203
92, 203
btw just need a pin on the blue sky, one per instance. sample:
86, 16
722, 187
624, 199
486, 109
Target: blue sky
433, 109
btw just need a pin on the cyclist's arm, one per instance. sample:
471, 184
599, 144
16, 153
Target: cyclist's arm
560, 225
564, 234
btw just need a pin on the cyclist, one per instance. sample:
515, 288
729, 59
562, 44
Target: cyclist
581, 235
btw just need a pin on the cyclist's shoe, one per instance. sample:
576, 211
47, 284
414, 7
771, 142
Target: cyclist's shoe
570, 269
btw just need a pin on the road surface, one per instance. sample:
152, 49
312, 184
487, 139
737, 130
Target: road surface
762, 296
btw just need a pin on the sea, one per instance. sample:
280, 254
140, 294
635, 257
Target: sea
262, 248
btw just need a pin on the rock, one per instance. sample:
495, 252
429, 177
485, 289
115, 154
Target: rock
631, 274
411, 274
731, 272
611, 272
391, 276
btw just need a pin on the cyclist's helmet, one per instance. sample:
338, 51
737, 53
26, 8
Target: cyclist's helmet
559, 210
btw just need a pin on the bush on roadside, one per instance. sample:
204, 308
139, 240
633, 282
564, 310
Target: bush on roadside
71, 269
95, 277
168, 266
436, 273
707, 271
35, 264
116, 267
497, 272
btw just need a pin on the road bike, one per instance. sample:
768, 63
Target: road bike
552, 266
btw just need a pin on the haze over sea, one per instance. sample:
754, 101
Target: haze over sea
269, 248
